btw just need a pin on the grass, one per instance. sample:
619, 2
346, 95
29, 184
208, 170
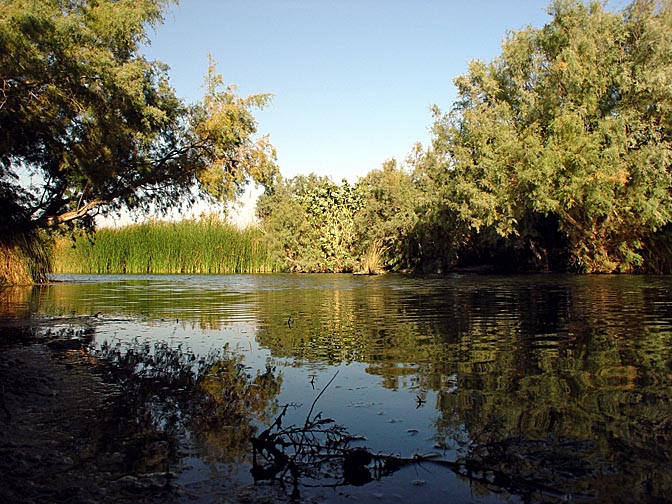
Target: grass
205, 246
24, 258
372, 260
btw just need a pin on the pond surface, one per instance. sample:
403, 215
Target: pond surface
543, 388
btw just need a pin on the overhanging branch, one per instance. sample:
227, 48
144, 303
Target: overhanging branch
55, 220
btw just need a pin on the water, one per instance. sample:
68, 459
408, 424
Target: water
553, 387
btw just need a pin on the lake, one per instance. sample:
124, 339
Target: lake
540, 388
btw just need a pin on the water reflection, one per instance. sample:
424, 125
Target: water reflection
560, 380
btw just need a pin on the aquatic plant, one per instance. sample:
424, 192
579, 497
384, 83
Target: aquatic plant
372, 260
205, 246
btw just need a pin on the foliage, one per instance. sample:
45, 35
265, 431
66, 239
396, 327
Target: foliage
387, 216
316, 225
284, 222
24, 258
88, 125
205, 246
330, 209
571, 124
438, 238
225, 126
311, 222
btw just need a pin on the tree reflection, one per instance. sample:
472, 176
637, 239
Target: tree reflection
224, 422
151, 300
589, 413
172, 391
565, 383
17, 303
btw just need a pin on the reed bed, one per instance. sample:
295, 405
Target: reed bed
24, 258
205, 246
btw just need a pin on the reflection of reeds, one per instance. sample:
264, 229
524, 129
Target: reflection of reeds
15, 301
206, 246
372, 260
657, 254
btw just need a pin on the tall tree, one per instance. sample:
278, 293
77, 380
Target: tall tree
571, 124
88, 124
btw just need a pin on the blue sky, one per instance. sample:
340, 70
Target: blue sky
352, 80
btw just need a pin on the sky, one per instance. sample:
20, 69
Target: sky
353, 80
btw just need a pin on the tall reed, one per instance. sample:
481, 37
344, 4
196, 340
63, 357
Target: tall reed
371, 262
205, 246
24, 257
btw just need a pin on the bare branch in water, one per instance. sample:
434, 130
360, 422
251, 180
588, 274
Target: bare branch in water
320, 451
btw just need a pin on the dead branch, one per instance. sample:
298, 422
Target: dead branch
318, 454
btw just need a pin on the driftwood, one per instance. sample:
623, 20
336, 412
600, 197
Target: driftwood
319, 454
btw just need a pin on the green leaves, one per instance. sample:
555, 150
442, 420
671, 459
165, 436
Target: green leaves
98, 127
311, 221
567, 122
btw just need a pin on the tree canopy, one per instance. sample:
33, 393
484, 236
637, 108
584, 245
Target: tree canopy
571, 123
556, 155
88, 124
310, 222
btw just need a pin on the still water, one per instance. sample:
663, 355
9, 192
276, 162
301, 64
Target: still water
544, 388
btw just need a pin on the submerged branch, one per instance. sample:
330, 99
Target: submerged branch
320, 452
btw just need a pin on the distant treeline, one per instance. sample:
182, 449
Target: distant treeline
205, 246
557, 155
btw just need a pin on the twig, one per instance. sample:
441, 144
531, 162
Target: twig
318, 398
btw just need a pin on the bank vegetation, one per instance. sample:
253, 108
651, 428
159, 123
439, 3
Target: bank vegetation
204, 246
555, 156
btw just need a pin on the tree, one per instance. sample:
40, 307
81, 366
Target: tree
284, 221
571, 126
330, 210
88, 125
310, 221
387, 214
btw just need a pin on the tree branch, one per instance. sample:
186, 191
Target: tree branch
55, 220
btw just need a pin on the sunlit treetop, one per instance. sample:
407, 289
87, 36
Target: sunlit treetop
88, 124
573, 121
